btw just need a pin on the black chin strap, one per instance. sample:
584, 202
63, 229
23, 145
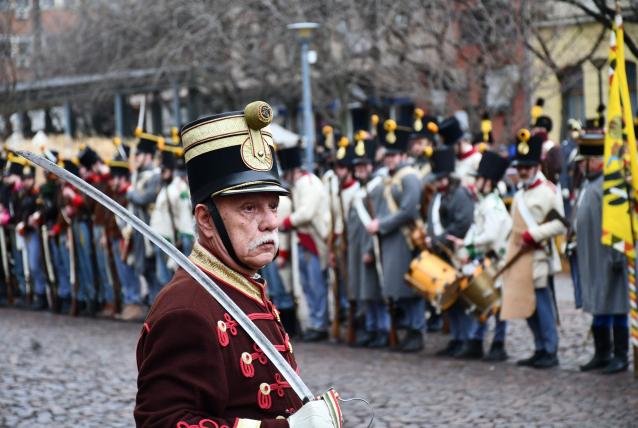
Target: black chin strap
223, 234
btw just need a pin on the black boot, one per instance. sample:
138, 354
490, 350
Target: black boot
497, 352
529, 362
434, 323
39, 302
413, 342
380, 340
546, 361
452, 347
364, 338
312, 335
472, 350
620, 361
602, 349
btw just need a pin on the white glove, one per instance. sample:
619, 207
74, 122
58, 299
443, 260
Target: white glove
321, 413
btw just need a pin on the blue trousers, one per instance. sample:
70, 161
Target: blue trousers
101, 257
18, 268
128, 278
83, 248
377, 316
460, 322
413, 311
543, 322
275, 287
610, 320
479, 329
60, 256
36, 262
315, 289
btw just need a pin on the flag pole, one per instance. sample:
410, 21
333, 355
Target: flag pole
631, 261
631, 270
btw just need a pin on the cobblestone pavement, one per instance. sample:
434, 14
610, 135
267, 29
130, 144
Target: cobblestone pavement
63, 372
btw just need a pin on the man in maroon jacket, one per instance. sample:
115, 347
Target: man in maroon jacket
197, 367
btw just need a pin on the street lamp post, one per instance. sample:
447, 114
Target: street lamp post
304, 31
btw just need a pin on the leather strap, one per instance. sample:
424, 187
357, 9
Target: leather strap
223, 233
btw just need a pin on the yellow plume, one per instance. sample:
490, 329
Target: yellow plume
390, 126
418, 116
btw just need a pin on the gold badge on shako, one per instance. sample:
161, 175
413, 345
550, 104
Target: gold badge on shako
255, 151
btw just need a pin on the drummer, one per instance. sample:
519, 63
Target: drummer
487, 238
450, 215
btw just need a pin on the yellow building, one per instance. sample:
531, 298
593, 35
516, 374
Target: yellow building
569, 36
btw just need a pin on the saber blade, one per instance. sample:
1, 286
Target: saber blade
185, 263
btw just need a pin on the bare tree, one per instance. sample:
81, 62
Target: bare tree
543, 46
602, 12
366, 49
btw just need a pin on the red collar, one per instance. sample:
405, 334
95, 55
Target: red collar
349, 183
536, 183
468, 153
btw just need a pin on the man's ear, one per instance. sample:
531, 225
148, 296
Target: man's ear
204, 221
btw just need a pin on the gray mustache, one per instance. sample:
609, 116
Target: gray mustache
272, 237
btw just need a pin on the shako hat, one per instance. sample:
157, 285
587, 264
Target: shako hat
289, 158
145, 145
119, 167
345, 151
88, 157
450, 131
591, 142
16, 165
443, 161
492, 166
395, 137
364, 147
70, 165
422, 127
528, 149
231, 153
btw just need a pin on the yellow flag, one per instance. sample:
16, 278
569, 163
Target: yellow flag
617, 219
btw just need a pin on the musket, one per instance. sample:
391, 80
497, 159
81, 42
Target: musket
112, 270
73, 277
25, 265
46, 252
5, 265
280, 363
95, 270
336, 322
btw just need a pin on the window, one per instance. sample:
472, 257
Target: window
5, 47
21, 50
630, 67
22, 9
573, 95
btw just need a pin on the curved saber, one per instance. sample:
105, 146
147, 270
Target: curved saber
185, 263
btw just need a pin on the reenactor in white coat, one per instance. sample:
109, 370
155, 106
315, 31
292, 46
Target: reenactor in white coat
310, 218
487, 238
537, 218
